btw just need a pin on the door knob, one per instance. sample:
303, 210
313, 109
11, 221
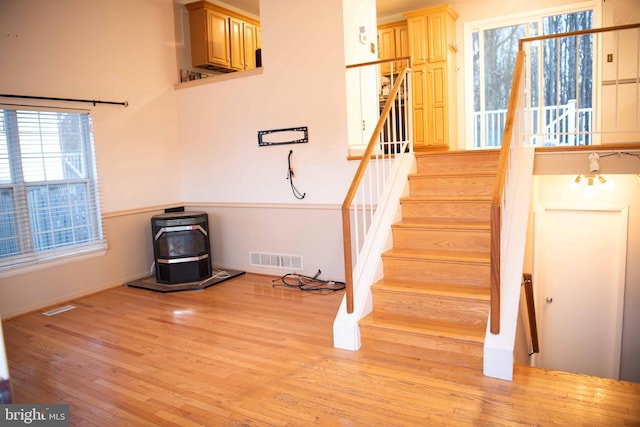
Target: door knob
549, 300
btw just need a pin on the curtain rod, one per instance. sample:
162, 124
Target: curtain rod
92, 101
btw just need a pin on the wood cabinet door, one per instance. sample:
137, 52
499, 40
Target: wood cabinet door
418, 81
218, 38
393, 42
386, 47
250, 37
417, 40
436, 105
402, 41
236, 45
436, 37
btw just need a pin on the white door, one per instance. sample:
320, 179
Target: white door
579, 273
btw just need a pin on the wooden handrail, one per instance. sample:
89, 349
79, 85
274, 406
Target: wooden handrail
380, 61
346, 205
522, 41
496, 203
527, 282
505, 152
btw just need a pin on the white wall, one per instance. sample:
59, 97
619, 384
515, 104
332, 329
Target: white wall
129, 257
196, 144
302, 84
112, 50
312, 232
362, 83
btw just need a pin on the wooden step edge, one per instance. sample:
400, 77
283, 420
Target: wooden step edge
474, 198
453, 291
448, 256
453, 225
448, 174
490, 151
439, 328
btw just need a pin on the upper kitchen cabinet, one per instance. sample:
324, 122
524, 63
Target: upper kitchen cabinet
221, 39
393, 42
432, 34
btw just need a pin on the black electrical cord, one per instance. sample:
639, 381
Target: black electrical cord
290, 176
308, 283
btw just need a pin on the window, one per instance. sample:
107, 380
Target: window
48, 188
565, 89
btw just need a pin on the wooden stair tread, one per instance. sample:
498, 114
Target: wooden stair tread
439, 328
493, 151
450, 174
442, 224
420, 254
436, 289
478, 198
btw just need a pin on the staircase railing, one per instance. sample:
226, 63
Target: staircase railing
522, 111
510, 205
390, 141
508, 152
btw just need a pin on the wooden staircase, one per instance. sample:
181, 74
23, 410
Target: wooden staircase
433, 301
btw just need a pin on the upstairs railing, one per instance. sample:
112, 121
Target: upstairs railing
561, 125
613, 117
389, 141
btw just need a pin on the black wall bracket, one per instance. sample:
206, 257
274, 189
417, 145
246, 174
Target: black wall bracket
296, 135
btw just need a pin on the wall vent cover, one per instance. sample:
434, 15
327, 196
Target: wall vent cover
275, 260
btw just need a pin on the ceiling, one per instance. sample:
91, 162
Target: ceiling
385, 8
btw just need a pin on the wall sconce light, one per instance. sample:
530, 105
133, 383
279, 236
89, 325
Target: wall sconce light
593, 177
594, 163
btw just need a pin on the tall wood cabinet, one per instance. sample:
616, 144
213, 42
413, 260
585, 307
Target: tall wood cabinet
221, 39
433, 48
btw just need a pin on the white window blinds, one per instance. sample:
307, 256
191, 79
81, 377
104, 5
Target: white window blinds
49, 204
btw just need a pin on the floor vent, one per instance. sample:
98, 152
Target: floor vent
271, 260
59, 310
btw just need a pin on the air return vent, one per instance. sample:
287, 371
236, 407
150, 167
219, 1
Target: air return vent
273, 260
59, 310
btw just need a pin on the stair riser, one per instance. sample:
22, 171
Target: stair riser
438, 239
463, 310
473, 274
426, 347
451, 186
478, 162
445, 210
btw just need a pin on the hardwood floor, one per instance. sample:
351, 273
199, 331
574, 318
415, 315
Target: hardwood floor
246, 353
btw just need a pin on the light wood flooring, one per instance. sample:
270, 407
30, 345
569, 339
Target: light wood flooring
245, 353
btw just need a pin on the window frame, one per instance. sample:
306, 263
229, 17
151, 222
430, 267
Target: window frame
525, 19
29, 257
